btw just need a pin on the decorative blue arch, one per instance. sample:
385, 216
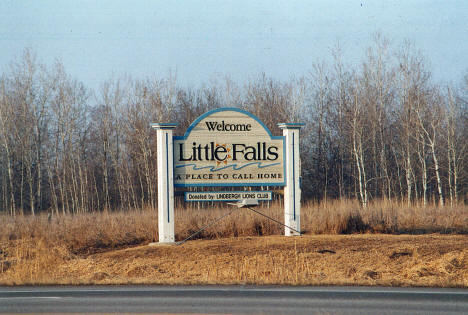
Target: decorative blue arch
223, 109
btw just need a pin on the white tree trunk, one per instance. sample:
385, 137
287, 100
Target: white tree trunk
436, 166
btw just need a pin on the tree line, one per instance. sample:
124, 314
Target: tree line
379, 129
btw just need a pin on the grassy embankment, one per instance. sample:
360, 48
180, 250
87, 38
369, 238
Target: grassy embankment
107, 247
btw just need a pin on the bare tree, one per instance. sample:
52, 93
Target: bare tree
356, 124
378, 78
6, 115
429, 120
457, 144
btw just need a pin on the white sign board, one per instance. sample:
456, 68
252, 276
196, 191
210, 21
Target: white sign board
228, 147
227, 195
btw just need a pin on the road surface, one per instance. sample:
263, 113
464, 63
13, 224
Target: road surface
232, 300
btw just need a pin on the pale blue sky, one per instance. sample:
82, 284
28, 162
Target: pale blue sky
202, 39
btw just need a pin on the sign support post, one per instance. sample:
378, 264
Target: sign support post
165, 181
292, 190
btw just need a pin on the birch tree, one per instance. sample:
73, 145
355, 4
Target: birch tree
6, 115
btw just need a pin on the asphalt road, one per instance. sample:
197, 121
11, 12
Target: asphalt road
232, 300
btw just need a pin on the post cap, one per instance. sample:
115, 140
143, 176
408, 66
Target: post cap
164, 125
291, 125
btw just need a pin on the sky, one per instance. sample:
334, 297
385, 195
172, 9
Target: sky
200, 40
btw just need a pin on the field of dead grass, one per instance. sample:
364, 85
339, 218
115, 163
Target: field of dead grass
108, 247
363, 259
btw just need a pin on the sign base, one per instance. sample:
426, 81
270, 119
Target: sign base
162, 243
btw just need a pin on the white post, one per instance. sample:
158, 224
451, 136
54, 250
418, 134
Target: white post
165, 182
292, 190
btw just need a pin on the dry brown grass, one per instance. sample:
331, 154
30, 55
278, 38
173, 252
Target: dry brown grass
100, 247
364, 259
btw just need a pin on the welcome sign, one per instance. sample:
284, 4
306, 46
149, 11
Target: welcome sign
228, 147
